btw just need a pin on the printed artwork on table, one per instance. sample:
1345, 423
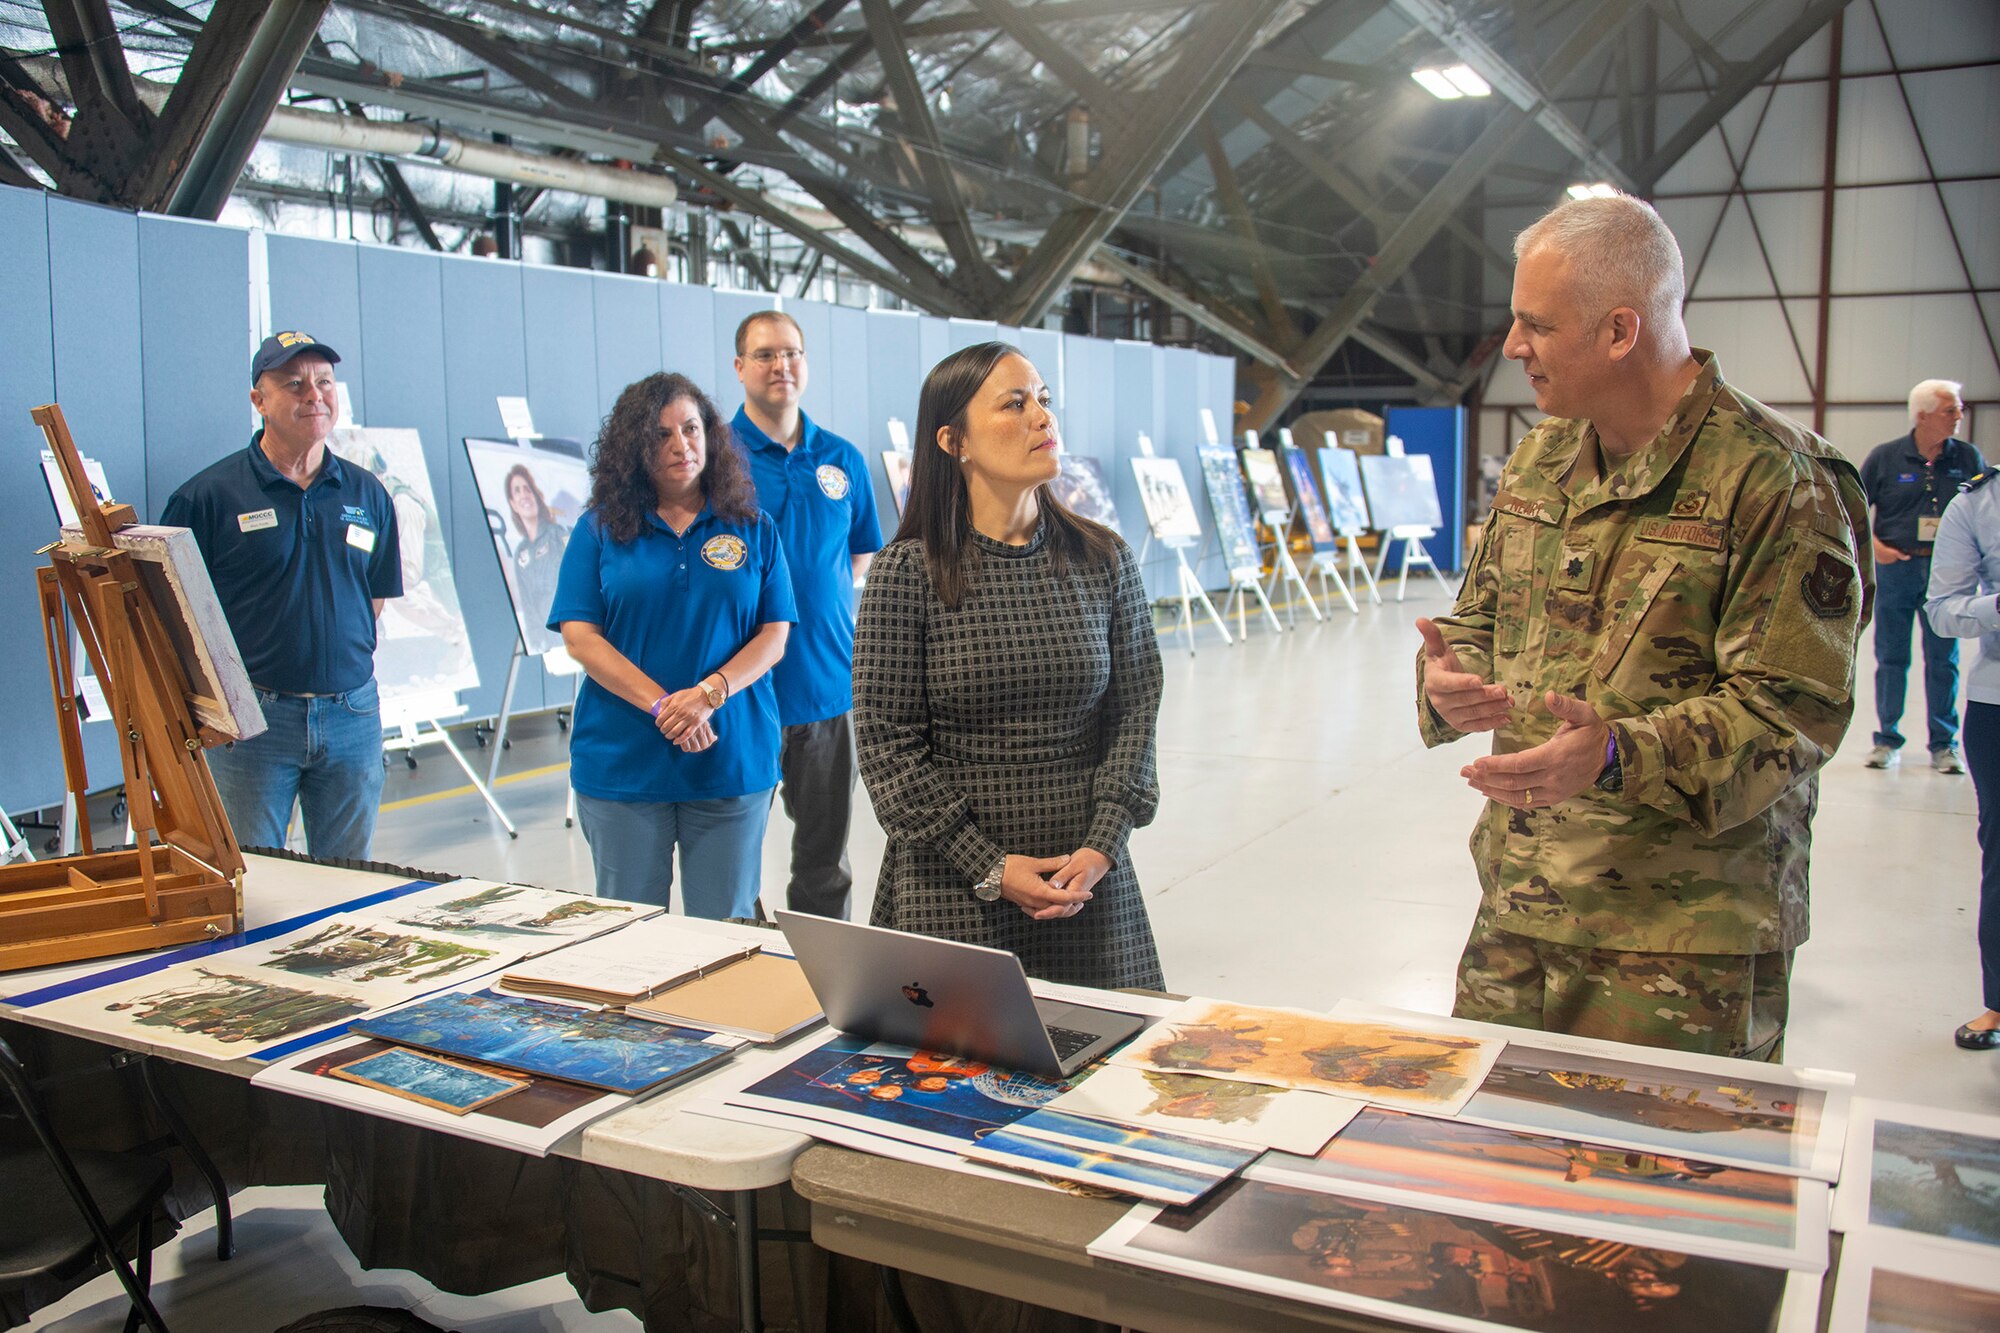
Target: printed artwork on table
539, 1103
1894, 1283
1936, 1181
1346, 502
923, 1097
510, 911
211, 1008
1081, 488
1290, 1048
597, 1048
1619, 1193
1125, 1159
1770, 1124
1253, 1114
444, 1084
363, 953
1439, 1270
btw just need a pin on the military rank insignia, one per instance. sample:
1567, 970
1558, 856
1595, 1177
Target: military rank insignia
725, 552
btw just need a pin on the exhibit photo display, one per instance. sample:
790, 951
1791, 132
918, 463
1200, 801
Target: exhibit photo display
533, 497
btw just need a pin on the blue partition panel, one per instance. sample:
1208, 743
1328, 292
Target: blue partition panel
1439, 434
193, 275
316, 288
731, 309
934, 342
33, 773
967, 332
839, 363
559, 330
626, 315
815, 321
687, 331
1044, 347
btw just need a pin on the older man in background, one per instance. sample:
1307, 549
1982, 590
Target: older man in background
1659, 627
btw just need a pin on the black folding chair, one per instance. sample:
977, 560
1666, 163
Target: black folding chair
52, 1242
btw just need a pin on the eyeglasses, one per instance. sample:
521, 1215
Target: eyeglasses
770, 356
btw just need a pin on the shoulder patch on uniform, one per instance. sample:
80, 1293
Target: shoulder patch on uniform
1828, 586
1708, 533
1976, 480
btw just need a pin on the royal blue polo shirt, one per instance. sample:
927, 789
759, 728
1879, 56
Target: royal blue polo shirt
297, 571
678, 608
820, 497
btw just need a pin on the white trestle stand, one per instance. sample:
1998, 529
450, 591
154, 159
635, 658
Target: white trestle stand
1325, 568
1244, 584
1190, 590
1413, 554
1358, 572
1284, 569
404, 720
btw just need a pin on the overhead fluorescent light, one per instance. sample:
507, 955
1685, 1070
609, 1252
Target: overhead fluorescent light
1600, 190
1452, 82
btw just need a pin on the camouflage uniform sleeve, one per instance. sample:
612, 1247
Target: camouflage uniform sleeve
1468, 629
1794, 603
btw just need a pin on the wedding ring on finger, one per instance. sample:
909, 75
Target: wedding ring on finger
1531, 796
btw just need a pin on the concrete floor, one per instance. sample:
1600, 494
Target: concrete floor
1308, 848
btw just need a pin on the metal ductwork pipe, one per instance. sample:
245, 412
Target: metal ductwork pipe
431, 143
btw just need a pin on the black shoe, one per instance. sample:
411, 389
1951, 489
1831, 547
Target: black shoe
1977, 1039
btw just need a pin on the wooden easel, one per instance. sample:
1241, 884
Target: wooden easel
187, 886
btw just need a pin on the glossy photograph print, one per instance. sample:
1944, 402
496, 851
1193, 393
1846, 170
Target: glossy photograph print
1382, 1063
444, 1084
922, 1097
599, 1049
1255, 1115
1618, 1193
1166, 1168
1439, 1270
1936, 1181
1082, 488
1742, 1121
1892, 1283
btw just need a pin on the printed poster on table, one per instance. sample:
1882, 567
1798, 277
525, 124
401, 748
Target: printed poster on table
1123, 1159
422, 647
1438, 1269
1389, 1064
1895, 1283
533, 497
1254, 1115
1503, 1175
480, 909
1923, 1170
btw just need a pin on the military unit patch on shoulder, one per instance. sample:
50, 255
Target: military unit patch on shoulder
832, 481
1828, 587
725, 552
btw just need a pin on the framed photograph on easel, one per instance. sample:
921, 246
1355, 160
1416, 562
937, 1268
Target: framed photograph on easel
533, 496
1082, 488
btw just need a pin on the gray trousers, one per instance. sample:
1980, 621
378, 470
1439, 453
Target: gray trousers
818, 791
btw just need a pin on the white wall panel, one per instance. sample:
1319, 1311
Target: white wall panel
1893, 239
1755, 349
1882, 345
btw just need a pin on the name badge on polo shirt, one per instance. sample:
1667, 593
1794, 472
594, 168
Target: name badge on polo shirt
360, 538
257, 520
1927, 527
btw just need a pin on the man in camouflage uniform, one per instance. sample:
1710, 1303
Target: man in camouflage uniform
1659, 627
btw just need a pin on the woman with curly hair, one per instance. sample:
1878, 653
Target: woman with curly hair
675, 600
1006, 683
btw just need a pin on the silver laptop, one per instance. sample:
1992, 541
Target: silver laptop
962, 999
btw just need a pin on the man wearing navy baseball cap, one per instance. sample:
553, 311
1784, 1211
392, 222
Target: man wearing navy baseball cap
302, 550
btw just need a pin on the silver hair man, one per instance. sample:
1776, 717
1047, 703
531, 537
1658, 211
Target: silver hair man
1928, 394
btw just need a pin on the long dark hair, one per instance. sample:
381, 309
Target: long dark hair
543, 518
621, 462
939, 512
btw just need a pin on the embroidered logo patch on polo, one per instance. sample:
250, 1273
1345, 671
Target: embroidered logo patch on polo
725, 552
832, 481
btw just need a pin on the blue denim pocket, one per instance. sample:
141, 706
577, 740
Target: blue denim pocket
362, 700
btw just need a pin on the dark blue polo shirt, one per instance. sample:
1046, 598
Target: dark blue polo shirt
678, 608
297, 571
820, 497
1903, 487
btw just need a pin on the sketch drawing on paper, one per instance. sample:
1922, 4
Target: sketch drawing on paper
227, 1008
360, 952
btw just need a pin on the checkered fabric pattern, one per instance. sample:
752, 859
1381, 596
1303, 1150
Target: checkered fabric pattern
1019, 722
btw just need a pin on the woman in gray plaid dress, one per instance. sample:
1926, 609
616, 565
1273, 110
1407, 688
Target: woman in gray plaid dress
1006, 683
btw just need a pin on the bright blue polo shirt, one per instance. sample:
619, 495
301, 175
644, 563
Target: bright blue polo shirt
678, 608
820, 497
297, 571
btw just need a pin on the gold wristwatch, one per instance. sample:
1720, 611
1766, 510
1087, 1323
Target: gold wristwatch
712, 693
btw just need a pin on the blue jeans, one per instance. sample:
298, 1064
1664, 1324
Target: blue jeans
324, 751
1899, 599
721, 842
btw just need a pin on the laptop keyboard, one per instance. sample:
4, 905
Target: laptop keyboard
1069, 1041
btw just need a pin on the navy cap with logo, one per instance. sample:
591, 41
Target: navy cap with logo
279, 348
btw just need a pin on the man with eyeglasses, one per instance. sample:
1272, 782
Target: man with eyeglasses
303, 550
815, 487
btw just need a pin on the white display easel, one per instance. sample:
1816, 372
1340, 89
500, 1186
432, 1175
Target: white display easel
1188, 585
404, 719
1413, 554
16, 847
1284, 569
1241, 581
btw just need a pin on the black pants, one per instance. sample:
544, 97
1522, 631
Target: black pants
1982, 758
818, 791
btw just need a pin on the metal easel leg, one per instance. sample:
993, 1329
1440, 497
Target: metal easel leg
506, 714
444, 737
1357, 568
1269, 614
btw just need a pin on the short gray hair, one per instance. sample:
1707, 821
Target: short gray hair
1926, 396
1620, 250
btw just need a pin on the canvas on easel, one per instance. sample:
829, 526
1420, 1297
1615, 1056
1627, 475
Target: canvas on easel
1236, 534
155, 637
1083, 489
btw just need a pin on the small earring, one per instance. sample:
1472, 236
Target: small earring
963, 460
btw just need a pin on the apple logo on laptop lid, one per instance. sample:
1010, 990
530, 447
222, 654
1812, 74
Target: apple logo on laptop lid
917, 995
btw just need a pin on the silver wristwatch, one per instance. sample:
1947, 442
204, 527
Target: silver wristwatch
987, 890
